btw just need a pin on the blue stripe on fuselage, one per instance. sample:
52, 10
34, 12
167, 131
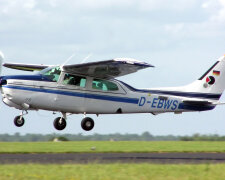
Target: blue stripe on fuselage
175, 93
26, 77
78, 94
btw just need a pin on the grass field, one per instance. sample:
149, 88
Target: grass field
103, 146
112, 171
96, 171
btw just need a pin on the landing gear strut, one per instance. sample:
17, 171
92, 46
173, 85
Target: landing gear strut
87, 124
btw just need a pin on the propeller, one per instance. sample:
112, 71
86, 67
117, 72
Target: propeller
1, 61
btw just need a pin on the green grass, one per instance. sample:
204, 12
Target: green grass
113, 171
103, 146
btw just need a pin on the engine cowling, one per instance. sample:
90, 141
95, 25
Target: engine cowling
11, 104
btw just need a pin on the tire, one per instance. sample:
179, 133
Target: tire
19, 122
59, 123
87, 124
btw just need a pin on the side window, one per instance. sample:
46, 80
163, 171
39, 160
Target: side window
74, 80
104, 85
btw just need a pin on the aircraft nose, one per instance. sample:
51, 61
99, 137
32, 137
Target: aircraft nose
2, 81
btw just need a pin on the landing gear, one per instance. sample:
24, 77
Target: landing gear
87, 124
19, 121
59, 123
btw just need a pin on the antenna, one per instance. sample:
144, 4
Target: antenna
68, 59
85, 59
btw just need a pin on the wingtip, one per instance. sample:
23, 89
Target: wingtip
133, 61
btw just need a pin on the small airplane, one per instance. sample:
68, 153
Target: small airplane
91, 88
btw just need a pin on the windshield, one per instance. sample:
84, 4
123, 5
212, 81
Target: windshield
51, 73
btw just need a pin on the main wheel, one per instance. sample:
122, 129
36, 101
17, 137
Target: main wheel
59, 123
87, 124
19, 121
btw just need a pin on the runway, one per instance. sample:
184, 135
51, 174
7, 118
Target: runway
158, 158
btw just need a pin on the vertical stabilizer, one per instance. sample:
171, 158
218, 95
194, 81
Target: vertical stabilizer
212, 81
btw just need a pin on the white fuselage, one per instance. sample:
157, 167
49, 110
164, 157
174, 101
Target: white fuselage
26, 94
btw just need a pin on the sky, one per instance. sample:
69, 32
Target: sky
181, 38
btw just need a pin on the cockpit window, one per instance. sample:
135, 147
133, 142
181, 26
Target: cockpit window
52, 73
104, 85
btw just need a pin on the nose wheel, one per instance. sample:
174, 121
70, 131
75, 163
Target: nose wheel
19, 121
87, 124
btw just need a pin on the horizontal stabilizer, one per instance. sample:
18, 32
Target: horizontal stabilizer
197, 103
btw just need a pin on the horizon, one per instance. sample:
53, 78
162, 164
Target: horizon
182, 39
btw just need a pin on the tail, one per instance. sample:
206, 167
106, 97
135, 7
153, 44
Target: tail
212, 82
209, 86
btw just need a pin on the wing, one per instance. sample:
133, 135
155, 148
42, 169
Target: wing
101, 69
107, 69
25, 67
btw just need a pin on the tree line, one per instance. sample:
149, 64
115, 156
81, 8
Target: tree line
146, 136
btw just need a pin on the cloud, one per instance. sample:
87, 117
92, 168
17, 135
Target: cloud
219, 16
168, 5
212, 26
46, 5
107, 26
13, 7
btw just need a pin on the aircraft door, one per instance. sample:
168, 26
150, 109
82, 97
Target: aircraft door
71, 93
